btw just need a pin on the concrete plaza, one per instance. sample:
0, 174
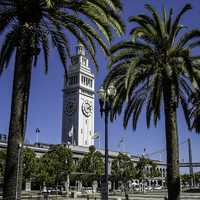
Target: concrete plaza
155, 195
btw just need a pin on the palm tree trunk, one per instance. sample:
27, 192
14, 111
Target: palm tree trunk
20, 96
173, 176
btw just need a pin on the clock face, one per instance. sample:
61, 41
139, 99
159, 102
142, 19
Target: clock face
69, 108
87, 108
75, 60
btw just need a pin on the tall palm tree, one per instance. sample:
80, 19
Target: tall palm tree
27, 27
156, 68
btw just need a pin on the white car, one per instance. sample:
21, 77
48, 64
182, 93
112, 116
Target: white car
148, 188
136, 188
158, 187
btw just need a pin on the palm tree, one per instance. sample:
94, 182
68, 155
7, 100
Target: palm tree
27, 27
195, 110
156, 68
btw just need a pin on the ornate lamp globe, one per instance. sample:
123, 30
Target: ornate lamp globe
101, 93
111, 91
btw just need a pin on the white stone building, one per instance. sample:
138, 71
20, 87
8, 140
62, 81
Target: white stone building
78, 102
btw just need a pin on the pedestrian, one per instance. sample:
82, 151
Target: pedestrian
46, 196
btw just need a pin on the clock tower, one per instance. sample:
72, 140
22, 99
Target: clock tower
78, 102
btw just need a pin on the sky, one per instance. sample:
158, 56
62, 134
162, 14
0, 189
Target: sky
45, 105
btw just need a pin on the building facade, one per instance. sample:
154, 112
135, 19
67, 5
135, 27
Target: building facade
79, 152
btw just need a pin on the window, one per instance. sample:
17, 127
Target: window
84, 61
86, 81
80, 50
73, 80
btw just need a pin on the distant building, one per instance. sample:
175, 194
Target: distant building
3, 137
79, 152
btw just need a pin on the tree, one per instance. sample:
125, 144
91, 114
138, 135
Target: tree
140, 168
29, 163
122, 169
156, 68
45, 171
62, 162
2, 162
91, 166
27, 26
185, 179
142, 173
55, 166
154, 172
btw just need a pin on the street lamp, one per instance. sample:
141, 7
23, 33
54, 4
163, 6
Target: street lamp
97, 137
106, 96
37, 131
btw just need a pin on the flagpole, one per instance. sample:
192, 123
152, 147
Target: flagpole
72, 134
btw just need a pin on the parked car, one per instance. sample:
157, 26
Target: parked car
148, 188
158, 187
87, 190
136, 188
51, 190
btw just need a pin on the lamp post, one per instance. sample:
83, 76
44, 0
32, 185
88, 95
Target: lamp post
18, 170
97, 137
37, 131
105, 100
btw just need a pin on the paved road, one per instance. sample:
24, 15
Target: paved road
146, 196
160, 196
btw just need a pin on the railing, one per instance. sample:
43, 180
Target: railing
189, 164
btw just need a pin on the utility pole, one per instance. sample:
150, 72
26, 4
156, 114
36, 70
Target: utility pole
190, 163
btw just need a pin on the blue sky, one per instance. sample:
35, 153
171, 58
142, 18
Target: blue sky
45, 106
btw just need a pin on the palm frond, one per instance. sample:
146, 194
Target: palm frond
178, 17
45, 47
6, 17
187, 37
8, 48
157, 18
169, 21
